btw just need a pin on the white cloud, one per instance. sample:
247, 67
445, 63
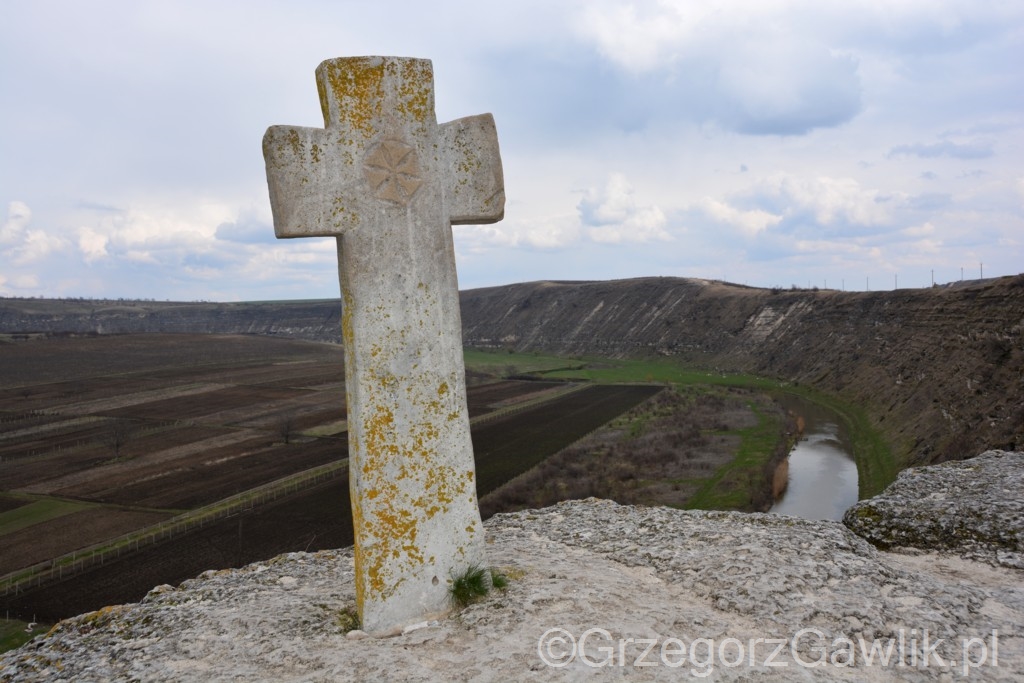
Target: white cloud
546, 232
25, 282
36, 246
23, 245
611, 214
641, 36
974, 149
840, 202
867, 125
18, 218
780, 84
922, 230
139, 256
92, 244
748, 65
246, 229
750, 223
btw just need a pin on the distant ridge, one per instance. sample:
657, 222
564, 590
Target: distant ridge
938, 370
316, 320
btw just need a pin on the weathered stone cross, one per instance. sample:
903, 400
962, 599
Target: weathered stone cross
388, 182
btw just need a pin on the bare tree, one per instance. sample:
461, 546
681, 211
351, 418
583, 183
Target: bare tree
287, 428
119, 432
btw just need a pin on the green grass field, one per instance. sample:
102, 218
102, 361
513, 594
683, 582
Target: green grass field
606, 370
37, 511
14, 635
729, 488
500, 363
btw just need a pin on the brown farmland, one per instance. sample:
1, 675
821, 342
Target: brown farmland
141, 428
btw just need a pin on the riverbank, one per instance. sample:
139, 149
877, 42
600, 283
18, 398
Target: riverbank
822, 477
876, 464
692, 447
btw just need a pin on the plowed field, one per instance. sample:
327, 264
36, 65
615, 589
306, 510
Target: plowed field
142, 427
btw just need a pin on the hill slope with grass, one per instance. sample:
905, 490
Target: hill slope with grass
939, 371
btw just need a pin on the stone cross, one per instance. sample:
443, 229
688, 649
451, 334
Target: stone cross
388, 181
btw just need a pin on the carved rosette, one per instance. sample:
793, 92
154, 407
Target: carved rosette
393, 171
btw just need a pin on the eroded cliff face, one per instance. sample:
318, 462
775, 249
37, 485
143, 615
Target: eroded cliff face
940, 371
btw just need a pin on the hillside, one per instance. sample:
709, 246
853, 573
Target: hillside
313, 320
940, 371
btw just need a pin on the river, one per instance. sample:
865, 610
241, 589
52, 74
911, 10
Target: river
822, 472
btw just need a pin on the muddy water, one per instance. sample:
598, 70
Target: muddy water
822, 472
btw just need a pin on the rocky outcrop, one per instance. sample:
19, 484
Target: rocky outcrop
973, 507
644, 593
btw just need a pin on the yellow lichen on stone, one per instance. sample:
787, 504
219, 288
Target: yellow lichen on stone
359, 547
295, 142
356, 86
417, 79
347, 307
377, 433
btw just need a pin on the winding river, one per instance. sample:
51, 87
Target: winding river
822, 472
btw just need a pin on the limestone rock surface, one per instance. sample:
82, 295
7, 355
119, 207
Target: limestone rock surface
972, 507
699, 588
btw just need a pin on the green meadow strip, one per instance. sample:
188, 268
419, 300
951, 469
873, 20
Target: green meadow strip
503, 363
730, 486
42, 510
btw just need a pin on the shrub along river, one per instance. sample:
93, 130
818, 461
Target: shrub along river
822, 472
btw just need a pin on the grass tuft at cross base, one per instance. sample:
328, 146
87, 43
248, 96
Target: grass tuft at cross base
473, 584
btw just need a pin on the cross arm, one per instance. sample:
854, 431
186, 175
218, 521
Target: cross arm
304, 166
476, 187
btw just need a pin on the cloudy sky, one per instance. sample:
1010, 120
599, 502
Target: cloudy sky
768, 142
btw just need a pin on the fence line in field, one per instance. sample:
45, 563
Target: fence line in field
79, 560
